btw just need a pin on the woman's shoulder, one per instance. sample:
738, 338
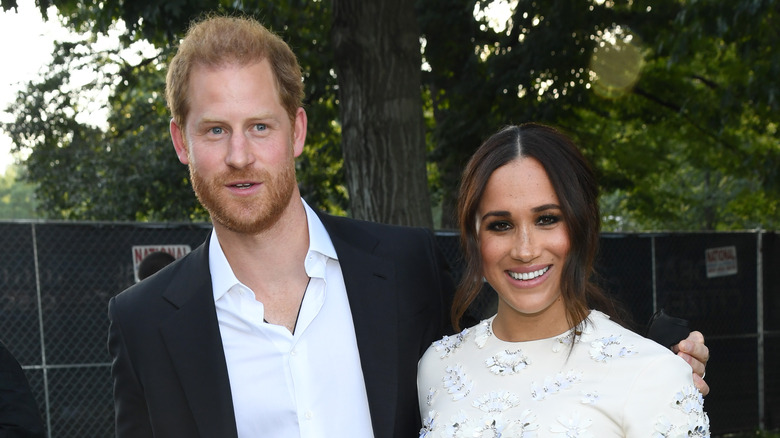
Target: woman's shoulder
609, 342
467, 339
603, 329
655, 385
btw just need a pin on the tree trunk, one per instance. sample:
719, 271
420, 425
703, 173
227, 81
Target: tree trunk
377, 56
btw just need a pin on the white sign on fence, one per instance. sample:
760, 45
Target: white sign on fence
141, 251
721, 261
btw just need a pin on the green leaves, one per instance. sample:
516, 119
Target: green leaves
684, 148
126, 169
694, 144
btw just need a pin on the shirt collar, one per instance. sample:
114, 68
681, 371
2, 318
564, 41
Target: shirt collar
319, 239
320, 250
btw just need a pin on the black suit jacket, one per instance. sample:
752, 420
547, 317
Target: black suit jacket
169, 371
19, 414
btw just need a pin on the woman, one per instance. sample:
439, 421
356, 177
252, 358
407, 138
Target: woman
545, 364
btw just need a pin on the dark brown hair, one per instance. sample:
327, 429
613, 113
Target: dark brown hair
575, 185
217, 41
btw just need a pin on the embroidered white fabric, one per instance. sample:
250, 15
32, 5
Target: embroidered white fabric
614, 383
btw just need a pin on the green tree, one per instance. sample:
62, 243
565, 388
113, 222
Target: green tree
696, 139
306, 27
17, 198
675, 103
667, 105
85, 172
129, 171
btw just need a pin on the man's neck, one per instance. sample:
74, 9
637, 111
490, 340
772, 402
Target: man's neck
271, 263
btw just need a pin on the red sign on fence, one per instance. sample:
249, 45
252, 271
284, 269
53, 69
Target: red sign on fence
141, 251
721, 261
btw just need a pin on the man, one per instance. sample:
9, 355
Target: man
153, 263
286, 322
19, 414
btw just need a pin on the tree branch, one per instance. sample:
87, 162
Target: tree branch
678, 109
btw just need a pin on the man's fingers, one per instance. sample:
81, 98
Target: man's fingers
701, 385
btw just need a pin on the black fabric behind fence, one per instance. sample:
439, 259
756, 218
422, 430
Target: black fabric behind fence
79, 267
56, 280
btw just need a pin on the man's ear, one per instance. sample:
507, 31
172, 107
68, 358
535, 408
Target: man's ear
299, 131
179, 143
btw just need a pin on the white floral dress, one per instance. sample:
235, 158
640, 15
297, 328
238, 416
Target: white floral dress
614, 383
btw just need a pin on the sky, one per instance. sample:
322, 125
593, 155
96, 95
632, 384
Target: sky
27, 42
33, 53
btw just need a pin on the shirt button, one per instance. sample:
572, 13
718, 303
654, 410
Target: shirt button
293, 352
309, 415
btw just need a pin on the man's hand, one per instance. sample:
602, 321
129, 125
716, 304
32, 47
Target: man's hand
693, 350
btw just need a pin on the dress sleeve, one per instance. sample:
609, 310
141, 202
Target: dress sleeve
425, 385
663, 401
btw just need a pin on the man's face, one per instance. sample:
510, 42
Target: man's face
240, 146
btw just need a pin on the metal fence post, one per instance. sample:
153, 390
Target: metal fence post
760, 329
655, 274
44, 368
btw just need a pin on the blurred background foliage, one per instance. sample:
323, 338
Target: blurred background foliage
675, 102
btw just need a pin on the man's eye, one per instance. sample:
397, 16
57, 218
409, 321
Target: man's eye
216, 130
261, 127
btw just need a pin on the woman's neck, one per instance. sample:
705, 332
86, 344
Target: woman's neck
512, 326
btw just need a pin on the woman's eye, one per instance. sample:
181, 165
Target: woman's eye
499, 226
548, 220
216, 130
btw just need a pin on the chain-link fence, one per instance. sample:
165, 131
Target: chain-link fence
56, 280
727, 286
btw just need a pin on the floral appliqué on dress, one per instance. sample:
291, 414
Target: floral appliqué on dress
506, 363
690, 401
429, 423
479, 386
431, 394
482, 332
496, 402
571, 337
608, 348
589, 398
572, 427
565, 340
456, 382
494, 425
554, 385
449, 344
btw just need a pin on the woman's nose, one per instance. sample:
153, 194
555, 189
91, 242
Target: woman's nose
523, 246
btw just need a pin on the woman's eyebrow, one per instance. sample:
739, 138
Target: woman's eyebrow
546, 207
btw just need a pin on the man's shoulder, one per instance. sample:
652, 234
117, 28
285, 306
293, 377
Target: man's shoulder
347, 225
180, 271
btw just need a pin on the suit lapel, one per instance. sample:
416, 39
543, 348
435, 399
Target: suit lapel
370, 284
193, 339
195, 345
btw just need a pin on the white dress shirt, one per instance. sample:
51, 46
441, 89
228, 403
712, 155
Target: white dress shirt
308, 384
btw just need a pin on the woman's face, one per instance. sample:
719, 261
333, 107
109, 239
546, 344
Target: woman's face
523, 240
